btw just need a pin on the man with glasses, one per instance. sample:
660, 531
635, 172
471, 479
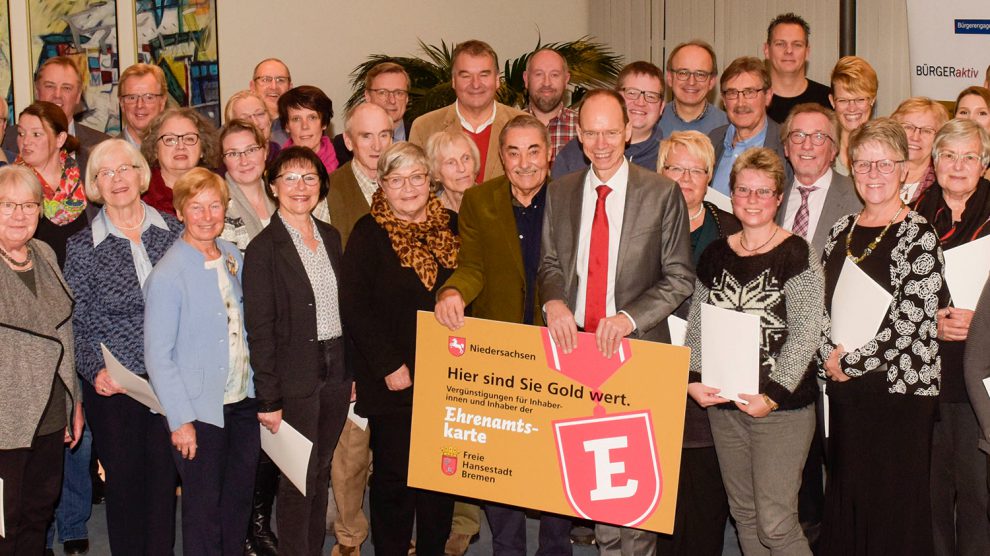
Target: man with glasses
142, 97
810, 204
546, 78
640, 85
746, 92
475, 79
787, 50
387, 85
271, 79
589, 215
691, 72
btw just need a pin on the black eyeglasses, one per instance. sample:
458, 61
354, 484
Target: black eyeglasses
171, 139
634, 94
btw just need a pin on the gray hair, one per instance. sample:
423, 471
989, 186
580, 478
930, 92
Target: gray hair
14, 175
957, 130
401, 155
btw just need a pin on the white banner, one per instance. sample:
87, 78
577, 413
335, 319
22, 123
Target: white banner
949, 42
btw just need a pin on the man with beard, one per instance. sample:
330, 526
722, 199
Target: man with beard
640, 84
546, 78
500, 224
746, 91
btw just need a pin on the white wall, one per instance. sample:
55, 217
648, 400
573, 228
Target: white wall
322, 41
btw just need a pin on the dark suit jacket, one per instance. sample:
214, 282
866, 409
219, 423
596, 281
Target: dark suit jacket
490, 275
772, 142
654, 274
280, 315
840, 200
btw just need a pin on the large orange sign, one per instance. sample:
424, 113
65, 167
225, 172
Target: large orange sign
501, 414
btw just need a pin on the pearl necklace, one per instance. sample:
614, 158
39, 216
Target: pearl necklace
129, 228
701, 210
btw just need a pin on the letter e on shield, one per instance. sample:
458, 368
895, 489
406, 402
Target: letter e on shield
609, 467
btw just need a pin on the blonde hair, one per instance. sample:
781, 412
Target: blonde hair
922, 104
195, 181
855, 75
763, 160
228, 109
695, 143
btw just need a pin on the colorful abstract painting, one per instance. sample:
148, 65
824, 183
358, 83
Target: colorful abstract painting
180, 36
6, 82
86, 31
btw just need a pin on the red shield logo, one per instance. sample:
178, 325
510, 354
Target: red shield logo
448, 464
609, 467
456, 346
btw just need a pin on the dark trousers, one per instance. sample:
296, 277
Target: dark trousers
301, 520
32, 478
811, 497
702, 507
136, 452
878, 497
218, 484
394, 506
508, 525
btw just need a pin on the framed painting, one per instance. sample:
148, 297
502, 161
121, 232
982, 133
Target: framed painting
180, 36
87, 32
6, 71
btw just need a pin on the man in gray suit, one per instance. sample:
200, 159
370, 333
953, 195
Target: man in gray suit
818, 196
812, 202
616, 256
745, 87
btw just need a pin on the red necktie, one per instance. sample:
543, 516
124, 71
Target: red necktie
594, 300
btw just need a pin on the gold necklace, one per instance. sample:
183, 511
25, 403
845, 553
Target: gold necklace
765, 243
873, 244
17, 264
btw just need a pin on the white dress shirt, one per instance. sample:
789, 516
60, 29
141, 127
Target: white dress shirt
615, 205
816, 203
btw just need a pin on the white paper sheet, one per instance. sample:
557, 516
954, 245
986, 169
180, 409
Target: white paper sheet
859, 306
966, 271
137, 387
678, 330
290, 451
361, 422
719, 199
730, 361
3, 528
986, 384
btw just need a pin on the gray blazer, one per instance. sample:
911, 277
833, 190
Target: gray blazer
36, 347
772, 141
654, 274
840, 200
976, 365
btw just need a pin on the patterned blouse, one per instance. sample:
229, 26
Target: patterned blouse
323, 281
908, 264
784, 287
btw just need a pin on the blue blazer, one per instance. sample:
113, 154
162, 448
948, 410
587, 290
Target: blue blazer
186, 345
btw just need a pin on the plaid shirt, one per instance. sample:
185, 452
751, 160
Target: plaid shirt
562, 128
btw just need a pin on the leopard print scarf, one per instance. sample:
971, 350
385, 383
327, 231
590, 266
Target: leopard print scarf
420, 246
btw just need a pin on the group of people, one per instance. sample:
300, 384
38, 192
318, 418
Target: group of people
270, 272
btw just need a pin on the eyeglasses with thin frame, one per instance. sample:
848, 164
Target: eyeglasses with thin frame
131, 100
187, 139
677, 172
293, 179
968, 159
749, 93
268, 79
383, 94
763, 193
418, 179
817, 138
844, 102
234, 155
649, 96
610, 134
698, 75
29, 208
106, 174
911, 128
885, 166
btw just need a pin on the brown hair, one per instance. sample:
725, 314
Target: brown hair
698, 43
210, 143
385, 67
236, 126
53, 118
981, 92
639, 67
811, 108
745, 64
790, 18
305, 96
473, 48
